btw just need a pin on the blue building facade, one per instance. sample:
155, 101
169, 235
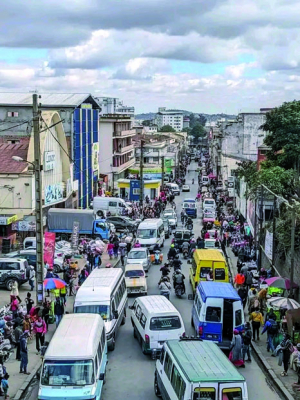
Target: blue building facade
86, 150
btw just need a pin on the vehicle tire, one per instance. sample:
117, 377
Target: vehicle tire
100, 214
192, 323
123, 319
113, 344
9, 283
144, 348
56, 268
156, 388
134, 333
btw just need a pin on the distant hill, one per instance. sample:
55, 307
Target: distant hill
209, 117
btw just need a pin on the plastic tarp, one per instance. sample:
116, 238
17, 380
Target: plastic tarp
62, 219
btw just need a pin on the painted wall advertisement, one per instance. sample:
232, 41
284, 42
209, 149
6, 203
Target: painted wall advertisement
49, 248
95, 161
269, 244
75, 235
53, 193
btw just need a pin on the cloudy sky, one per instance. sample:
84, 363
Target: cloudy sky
201, 55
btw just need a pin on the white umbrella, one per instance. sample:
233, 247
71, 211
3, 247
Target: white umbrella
283, 302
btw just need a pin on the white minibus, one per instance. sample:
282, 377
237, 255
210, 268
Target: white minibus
115, 205
150, 232
104, 293
75, 361
155, 320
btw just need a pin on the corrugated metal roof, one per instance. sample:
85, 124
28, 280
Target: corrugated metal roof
47, 99
7, 164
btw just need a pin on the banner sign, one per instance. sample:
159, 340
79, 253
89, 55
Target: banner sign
49, 248
269, 245
75, 235
53, 193
49, 160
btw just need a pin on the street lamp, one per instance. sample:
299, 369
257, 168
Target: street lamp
20, 159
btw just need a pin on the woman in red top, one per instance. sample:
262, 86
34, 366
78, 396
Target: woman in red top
40, 329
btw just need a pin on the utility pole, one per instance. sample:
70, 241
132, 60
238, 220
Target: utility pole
38, 204
141, 172
162, 171
113, 184
293, 223
274, 230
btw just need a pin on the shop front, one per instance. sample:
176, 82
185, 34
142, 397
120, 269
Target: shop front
130, 189
7, 234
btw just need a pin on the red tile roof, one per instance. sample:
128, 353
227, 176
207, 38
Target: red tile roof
7, 164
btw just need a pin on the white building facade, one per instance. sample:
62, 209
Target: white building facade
172, 118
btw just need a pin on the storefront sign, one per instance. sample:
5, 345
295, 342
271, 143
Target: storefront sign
53, 193
75, 235
49, 160
24, 226
89, 106
49, 248
8, 220
269, 244
95, 157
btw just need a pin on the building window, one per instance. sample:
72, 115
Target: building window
155, 159
12, 114
13, 141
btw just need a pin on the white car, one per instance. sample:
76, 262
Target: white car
139, 255
135, 279
171, 216
185, 188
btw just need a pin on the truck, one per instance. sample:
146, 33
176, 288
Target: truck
61, 221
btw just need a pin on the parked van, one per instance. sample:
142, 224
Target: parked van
104, 293
205, 180
189, 206
135, 279
155, 320
191, 369
150, 232
29, 242
203, 262
209, 204
216, 312
115, 205
74, 365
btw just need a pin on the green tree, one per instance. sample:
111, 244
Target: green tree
147, 122
202, 120
167, 128
198, 131
283, 135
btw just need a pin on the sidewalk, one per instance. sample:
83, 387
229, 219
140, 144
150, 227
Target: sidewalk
270, 364
18, 383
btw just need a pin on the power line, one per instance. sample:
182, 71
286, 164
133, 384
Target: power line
15, 126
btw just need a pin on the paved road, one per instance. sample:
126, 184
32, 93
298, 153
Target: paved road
130, 374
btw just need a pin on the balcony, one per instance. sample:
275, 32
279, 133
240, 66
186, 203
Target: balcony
124, 166
124, 150
128, 133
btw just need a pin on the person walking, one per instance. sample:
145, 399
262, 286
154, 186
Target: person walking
122, 248
40, 330
287, 349
46, 312
271, 328
59, 310
242, 292
247, 336
27, 324
15, 291
5, 385
29, 302
235, 355
18, 332
257, 321
24, 353
31, 277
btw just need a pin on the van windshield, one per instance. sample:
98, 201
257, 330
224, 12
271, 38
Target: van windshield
136, 255
146, 233
134, 273
209, 202
68, 373
100, 309
164, 323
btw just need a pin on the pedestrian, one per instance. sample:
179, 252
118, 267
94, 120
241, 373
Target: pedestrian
110, 250
40, 330
15, 291
257, 321
271, 315
249, 279
18, 332
14, 306
122, 248
287, 349
271, 328
2, 374
242, 292
46, 312
27, 324
59, 310
31, 277
29, 302
247, 336
239, 280
24, 353
235, 355
5, 385
298, 367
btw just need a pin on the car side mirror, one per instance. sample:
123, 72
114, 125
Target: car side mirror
101, 376
131, 307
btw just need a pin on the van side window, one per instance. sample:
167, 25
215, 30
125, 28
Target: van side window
213, 314
198, 304
178, 383
112, 204
238, 318
219, 274
161, 229
143, 320
99, 352
138, 312
168, 366
194, 266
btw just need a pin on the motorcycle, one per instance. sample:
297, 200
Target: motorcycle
157, 257
179, 291
185, 253
189, 227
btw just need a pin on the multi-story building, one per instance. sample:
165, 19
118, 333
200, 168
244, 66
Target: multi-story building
117, 150
113, 105
169, 117
79, 114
